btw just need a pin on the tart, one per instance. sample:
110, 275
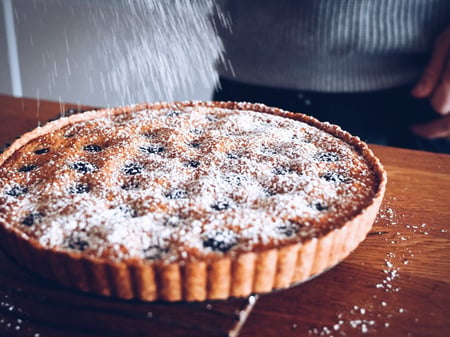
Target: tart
186, 201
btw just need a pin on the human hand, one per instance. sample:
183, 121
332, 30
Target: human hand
435, 85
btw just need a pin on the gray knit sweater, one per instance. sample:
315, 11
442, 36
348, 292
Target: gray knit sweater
331, 45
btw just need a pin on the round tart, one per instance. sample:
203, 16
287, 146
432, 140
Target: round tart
186, 201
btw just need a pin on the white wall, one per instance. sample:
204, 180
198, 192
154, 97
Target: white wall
5, 81
65, 55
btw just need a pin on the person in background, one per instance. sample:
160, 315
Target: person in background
378, 68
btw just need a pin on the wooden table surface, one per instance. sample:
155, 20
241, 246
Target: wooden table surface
396, 283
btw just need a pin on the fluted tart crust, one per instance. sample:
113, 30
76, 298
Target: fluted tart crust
187, 200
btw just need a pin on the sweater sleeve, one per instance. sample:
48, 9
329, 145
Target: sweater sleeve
330, 46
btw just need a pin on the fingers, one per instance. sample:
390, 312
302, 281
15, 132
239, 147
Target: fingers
439, 128
432, 75
435, 84
440, 99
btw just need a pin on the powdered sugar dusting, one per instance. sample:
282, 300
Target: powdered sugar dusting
13, 319
166, 47
157, 183
386, 306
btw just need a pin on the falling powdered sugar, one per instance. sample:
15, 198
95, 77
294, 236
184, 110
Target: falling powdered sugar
167, 47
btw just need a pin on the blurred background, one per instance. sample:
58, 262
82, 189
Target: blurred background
107, 52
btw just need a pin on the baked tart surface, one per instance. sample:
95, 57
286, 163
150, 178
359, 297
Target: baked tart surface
186, 201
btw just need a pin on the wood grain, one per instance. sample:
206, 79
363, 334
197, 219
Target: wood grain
396, 283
